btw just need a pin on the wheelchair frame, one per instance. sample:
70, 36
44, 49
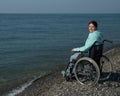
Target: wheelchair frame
88, 72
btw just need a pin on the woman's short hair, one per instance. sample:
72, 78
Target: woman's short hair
94, 23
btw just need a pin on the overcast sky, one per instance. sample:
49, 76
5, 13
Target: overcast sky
59, 6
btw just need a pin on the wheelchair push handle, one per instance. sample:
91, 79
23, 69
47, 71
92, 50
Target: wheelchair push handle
107, 41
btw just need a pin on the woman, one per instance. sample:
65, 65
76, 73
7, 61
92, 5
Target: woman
94, 35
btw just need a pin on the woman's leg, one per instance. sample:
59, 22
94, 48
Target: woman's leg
70, 65
73, 60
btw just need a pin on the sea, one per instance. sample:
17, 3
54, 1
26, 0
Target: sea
33, 45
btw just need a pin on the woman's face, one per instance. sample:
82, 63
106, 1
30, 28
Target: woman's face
91, 27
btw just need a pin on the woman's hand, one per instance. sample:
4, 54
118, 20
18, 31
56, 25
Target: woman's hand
73, 50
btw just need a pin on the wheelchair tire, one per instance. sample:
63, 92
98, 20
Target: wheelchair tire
86, 76
105, 68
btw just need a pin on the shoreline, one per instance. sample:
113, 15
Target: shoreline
44, 82
18, 90
55, 85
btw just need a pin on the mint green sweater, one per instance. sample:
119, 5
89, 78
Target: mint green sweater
92, 37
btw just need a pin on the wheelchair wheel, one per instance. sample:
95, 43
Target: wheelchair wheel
105, 68
86, 71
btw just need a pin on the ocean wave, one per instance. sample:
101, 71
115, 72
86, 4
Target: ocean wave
20, 89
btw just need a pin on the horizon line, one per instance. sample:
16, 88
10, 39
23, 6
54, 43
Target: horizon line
52, 13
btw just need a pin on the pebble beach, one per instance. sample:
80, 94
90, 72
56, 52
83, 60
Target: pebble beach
54, 84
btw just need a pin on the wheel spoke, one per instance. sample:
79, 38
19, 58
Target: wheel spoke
86, 71
105, 67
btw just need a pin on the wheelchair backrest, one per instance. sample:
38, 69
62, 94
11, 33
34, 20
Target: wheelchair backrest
96, 51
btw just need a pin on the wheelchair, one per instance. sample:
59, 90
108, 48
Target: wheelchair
88, 70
